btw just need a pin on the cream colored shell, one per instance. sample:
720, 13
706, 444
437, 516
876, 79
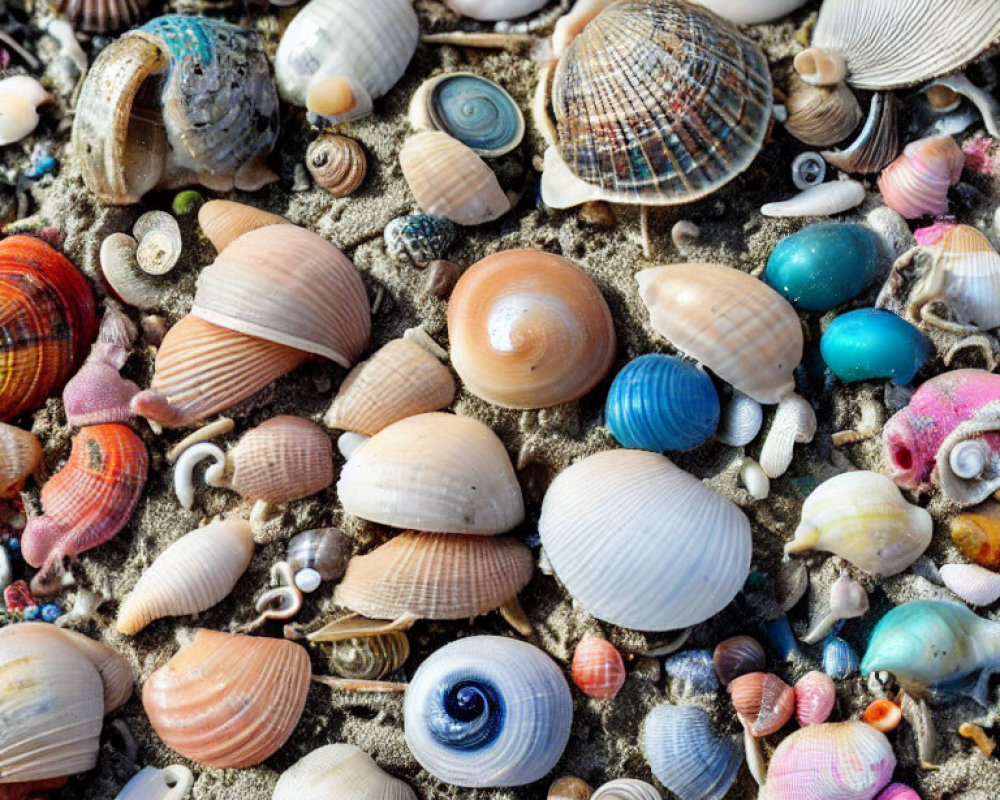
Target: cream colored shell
20, 455
339, 772
222, 221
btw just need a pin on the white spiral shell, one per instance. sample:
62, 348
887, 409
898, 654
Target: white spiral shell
626, 789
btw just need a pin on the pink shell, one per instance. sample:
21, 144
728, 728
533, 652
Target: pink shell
916, 184
598, 669
897, 791
815, 696
932, 234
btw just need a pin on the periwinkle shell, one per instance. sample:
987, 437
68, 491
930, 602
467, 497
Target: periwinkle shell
872, 343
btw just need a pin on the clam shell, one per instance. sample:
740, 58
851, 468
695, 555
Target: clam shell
102, 16
751, 13
337, 163
228, 700
764, 703
339, 771
976, 585
737, 656
114, 669
223, 221
20, 455
916, 184
877, 144
821, 115
626, 789
815, 697
597, 668
170, 783
601, 527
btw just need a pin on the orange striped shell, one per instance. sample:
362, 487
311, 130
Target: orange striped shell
598, 669
764, 703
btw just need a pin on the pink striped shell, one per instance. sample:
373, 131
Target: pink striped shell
916, 184
598, 669
815, 697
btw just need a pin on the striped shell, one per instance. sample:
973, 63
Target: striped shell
815, 697
223, 221
737, 656
102, 16
339, 771
916, 184
227, 700
20, 455
821, 115
337, 163
764, 703
369, 657
877, 144
976, 585
626, 789
597, 669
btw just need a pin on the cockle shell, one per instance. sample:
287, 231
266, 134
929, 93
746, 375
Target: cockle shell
20, 96
340, 771
597, 668
916, 184
193, 574
626, 789
764, 703
862, 517
529, 329
821, 115
815, 697
601, 527
976, 585
976, 534
822, 200
102, 16
435, 576
877, 144
337, 163
751, 14
223, 221
434, 472
20, 455
486, 711
228, 700
737, 656
170, 783
494, 9
734, 324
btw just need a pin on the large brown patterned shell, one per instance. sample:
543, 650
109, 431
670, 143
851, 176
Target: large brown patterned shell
660, 102
102, 16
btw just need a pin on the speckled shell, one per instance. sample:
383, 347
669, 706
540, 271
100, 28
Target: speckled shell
20, 454
340, 771
337, 163
734, 324
223, 221
976, 534
435, 576
102, 16
815, 697
655, 103
529, 329
228, 700
418, 239
597, 668
47, 323
764, 703
626, 789
916, 184
737, 656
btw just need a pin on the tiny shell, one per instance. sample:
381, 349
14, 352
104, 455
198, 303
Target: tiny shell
170, 783
824, 200
597, 669
322, 552
883, 715
418, 238
569, 788
897, 791
494, 9
916, 184
337, 163
102, 16
159, 238
740, 420
821, 115
362, 649
815, 697
626, 789
20, 455
976, 534
737, 656
694, 668
794, 423
223, 221
764, 703
340, 771
122, 273
840, 659
976, 585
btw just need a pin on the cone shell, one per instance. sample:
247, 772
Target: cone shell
434, 472
197, 571
435, 576
976, 534
20, 455
815, 697
339, 771
597, 669
102, 16
737, 656
223, 221
821, 115
916, 184
529, 329
763, 702
227, 700
400, 380
734, 324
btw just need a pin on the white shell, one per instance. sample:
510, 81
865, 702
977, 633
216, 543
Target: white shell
976, 585
824, 200
740, 421
753, 12
626, 789
170, 783
339, 772
643, 544
494, 9
20, 95
794, 422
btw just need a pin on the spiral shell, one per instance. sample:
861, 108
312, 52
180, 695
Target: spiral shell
916, 184
20, 455
223, 221
339, 771
877, 144
737, 656
486, 711
764, 703
170, 783
626, 789
102, 16
369, 657
597, 669
529, 330
317, 555
337, 163
815, 697
418, 239
821, 115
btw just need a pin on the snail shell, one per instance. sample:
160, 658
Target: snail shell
815, 697
355, 653
159, 238
20, 455
121, 271
821, 115
418, 238
626, 789
597, 669
102, 16
223, 221
337, 163
764, 703
339, 771
916, 184
170, 783
737, 656
317, 555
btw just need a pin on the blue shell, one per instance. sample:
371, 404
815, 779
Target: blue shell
695, 668
660, 402
823, 265
477, 112
687, 756
872, 343
840, 659
780, 636
418, 238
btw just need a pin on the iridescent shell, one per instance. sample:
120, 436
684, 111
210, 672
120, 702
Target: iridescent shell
916, 184
840, 659
597, 668
737, 656
815, 697
694, 669
20, 455
337, 163
102, 16
764, 703
418, 238
340, 771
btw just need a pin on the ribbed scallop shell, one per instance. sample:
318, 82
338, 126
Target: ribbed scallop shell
435, 576
20, 454
340, 771
400, 380
597, 668
764, 703
337, 163
486, 711
821, 115
734, 324
529, 329
916, 184
102, 16
626, 789
223, 221
603, 529
737, 656
657, 103
193, 574
976, 585
686, 755
815, 697
228, 700
434, 472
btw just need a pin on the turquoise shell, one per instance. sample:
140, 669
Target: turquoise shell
477, 112
872, 343
660, 402
823, 265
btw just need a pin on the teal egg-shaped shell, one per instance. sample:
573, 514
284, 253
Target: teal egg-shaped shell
872, 343
823, 265
660, 402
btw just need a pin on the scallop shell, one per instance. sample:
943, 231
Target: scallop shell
170, 783
751, 13
20, 455
815, 697
486, 711
337, 163
602, 529
435, 576
494, 9
529, 329
434, 472
737, 656
102, 16
339, 771
916, 184
976, 585
223, 221
227, 700
821, 115
597, 668
734, 324
193, 574
626, 789
823, 200
764, 703
877, 144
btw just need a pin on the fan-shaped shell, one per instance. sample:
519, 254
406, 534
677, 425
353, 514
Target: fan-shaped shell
602, 527
223, 221
486, 711
435, 576
764, 703
655, 103
916, 184
434, 472
102, 16
197, 571
815, 697
339, 771
626, 789
529, 330
597, 668
228, 700
20, 455
737, 656
734, 324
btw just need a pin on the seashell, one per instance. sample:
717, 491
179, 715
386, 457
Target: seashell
48, 320
740, 420
840, 660
815, 697
737, 656
873, 343
967, 466
824, 200
400, 380
626, 789
20, 96
125, 277
337, 56
781, 638
916, 184
339, 770
358, 651
170, 783
862, 517
820, 67
441, 279
157, 112
976, 585
193, 574
435, 576
808, 169
794, 423
227, 700
976, 534
449, 180
337, 163
418, 238
601, 529
471, 487
618, 143
20, 455
877, 144
909, 47
569, 788
529, 329
897, 791
102, 16
746, 333
694, 668
486, 711
597, 669
223, 221
848, 600
660, 402
86, 502
883, 715
686, 755
317, 555
820, 116
471, 108
759, 12
831, 761
494, 9
114, 669
159, 238
764, 703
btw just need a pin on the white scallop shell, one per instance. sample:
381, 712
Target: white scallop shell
832, 197
494, 9
626, 789
751, 13
342, 772
976, 585
170, 783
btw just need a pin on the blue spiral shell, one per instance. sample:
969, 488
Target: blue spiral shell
660, 402
477, 112
873, 343
840, 659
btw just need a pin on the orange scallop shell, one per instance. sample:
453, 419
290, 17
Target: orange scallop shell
598, 669
764, 703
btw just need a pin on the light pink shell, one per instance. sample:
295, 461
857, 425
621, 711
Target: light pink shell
916, 184
897, 791
598, 669
815, 697
764, 703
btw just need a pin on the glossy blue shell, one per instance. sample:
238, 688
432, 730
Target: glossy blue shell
418, 238
781, 637
823, 265
660, 402
477, 112
840, 659
695, 668
872, 343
